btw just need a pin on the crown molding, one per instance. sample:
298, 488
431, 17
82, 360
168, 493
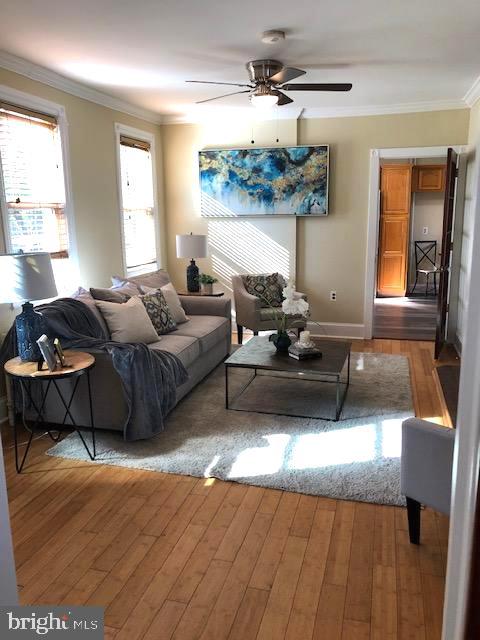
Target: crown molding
384, 109
473, 94
53, 79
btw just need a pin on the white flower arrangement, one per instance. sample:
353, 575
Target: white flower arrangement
293, 308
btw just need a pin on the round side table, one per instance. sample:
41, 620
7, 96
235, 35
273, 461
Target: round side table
27, 375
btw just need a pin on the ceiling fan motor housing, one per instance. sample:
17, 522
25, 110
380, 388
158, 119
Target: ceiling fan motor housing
262, 70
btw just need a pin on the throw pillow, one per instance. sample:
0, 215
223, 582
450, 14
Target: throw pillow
266, 287
156, 279
116, 294
86, 297
173, 301
158, 312
128, 322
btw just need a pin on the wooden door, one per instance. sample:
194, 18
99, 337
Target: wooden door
447, 236
395, 198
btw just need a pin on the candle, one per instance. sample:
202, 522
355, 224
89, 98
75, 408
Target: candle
305, 337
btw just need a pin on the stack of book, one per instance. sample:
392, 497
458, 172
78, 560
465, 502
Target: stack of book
303, 353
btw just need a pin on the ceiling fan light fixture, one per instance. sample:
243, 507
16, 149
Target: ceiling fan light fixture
263, 98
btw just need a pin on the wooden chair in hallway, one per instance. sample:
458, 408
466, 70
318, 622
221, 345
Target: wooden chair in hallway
425, 263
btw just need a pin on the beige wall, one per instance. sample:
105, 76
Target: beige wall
94, 180
330, 251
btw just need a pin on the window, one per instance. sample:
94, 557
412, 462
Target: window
138, 205
34, 187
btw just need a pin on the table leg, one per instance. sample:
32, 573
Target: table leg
68, 413
26, 391
226, 386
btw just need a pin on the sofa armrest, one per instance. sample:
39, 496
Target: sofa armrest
247, 306
426, 465
206, 306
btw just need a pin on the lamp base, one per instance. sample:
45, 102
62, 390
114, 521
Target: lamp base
192, 277
30, 325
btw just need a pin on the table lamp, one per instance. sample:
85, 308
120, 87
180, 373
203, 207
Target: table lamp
190, 246
25, 277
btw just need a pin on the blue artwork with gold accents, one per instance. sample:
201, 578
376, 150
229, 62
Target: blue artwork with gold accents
274, 181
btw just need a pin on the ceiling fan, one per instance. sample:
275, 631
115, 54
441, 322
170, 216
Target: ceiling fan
268, 80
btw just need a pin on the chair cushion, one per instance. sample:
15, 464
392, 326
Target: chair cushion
269, 313
186, 348
208, 329
267, 287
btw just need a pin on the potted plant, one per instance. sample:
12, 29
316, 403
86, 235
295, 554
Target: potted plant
206, 283
293, 308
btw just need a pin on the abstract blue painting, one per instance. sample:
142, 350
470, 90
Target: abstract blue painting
273, 181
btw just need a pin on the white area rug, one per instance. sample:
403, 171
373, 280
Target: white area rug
357, 458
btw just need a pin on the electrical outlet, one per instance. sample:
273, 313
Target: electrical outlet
333, 295
425, 231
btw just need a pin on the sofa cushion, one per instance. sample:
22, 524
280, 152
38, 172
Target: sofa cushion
159, 312
86, 297
267, 287
186, 348
173, 301
156, 279
208, 329
128, 322
117, 294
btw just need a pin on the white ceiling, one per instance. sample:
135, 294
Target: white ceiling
395, 53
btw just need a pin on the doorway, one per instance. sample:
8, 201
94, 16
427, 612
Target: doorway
448, 283
412, 192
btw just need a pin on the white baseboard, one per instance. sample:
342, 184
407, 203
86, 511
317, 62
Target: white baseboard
3, 409
337, 329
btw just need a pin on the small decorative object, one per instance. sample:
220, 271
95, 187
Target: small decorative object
25, 277
190, 246
299, 352
48, 353
305, 340
293, 308
59, 352
207, 282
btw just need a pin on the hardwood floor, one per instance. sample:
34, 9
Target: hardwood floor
405, 318
185, 558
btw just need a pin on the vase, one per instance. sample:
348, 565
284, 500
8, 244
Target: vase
207, 289
30, 325
281, 340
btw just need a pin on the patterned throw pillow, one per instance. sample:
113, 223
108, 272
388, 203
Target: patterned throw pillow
266, 287
158, 312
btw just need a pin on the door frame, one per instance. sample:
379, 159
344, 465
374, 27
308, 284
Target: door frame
402, 153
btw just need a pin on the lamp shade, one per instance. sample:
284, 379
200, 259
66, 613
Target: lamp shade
26, 276
190, 246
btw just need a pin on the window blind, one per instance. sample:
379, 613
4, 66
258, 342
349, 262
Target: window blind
138, 216
33, 180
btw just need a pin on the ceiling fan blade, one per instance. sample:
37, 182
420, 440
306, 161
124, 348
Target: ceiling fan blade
329, 86
282, 98
286, 74
230, 84
225, 95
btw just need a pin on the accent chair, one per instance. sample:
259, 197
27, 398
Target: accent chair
426, 469
252, 315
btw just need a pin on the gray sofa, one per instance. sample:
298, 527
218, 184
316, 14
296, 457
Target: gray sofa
201, 344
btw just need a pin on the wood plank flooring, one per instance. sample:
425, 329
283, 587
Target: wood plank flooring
405, 318
175, 557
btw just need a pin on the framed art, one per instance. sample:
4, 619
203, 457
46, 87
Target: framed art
264, 181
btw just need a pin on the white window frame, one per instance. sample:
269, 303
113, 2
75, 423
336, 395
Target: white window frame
35, 103
144, 136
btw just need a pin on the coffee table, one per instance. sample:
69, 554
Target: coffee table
259, 354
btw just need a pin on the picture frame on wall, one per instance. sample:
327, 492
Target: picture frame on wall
264, 181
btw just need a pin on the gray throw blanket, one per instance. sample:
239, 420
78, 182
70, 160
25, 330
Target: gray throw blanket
150, 378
